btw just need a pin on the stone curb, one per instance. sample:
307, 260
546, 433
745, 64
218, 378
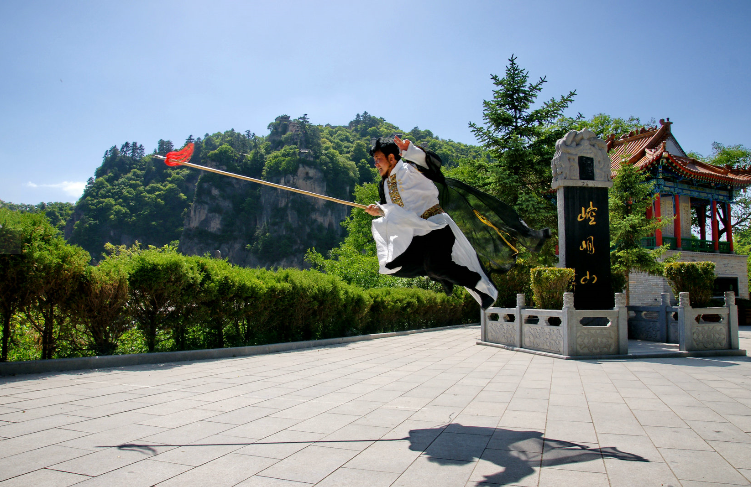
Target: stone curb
630, 356
109, 361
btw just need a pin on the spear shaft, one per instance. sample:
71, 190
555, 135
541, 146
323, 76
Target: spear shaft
273, 185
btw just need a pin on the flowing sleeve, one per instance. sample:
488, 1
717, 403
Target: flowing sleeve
416, 155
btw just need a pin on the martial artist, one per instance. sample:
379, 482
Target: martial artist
416, 237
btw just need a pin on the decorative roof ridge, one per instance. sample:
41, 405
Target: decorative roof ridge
658, 136
661, 134
633, 135
711, 167
723, 174
654, 154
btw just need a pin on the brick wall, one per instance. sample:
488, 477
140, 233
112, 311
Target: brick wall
645, 289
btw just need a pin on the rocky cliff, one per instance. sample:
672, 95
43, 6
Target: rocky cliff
259, 226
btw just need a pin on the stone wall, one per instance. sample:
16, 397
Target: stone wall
645, 290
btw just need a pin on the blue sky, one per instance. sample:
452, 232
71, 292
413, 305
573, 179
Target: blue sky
80, 76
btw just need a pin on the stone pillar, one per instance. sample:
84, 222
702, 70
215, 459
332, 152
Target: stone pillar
620, 307
662, 318
581, 177
483, 324
686, 342
732, 319
677, 221
569, 325
520, 305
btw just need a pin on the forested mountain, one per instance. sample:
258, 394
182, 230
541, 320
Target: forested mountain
136, 197
57, 213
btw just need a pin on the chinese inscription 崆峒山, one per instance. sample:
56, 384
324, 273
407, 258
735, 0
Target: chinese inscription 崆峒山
588, 213
588, 245
587, 279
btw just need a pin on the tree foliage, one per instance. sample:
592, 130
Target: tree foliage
520, 137
629, 199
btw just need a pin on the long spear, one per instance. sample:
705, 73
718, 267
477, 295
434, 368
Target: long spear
182, 158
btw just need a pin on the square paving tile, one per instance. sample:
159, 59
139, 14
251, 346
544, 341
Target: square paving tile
280, 445
224, 471
16, 465
145, 473
703, 466
311, 464
349, 477
44, 478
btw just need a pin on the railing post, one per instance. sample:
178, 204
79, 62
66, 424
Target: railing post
620, 307
483, 325
662, 318
732, 319
520, 305
686, 342
569, 325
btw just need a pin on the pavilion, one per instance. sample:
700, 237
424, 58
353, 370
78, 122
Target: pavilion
684, 185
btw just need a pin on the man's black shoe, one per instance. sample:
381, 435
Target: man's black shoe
487, 301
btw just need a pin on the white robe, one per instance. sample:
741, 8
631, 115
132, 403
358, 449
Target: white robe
408, 195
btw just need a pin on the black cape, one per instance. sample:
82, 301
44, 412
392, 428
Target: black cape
493, 228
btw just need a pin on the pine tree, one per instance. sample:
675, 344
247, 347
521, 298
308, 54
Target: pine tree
521, 139
629, 199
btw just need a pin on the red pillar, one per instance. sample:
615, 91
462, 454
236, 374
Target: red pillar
702, 214
715, 231
677, 221
729, 226
658, 214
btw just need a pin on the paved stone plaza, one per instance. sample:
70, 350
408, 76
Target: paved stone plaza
431, 409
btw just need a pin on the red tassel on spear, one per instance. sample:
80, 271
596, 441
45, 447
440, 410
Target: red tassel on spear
182, 158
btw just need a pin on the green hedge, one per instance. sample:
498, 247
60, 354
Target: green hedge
549, 284
156, 299
696, 278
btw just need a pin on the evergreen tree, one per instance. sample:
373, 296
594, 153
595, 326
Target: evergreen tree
521, 140
629, 199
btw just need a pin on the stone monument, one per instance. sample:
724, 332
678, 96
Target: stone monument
581, 178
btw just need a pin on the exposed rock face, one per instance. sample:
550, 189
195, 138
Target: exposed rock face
258, 226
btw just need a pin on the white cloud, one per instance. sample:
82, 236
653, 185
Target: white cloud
73, 189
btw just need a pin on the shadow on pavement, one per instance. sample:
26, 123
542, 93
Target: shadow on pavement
507, 455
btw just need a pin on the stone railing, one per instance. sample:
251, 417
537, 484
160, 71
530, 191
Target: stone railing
694, 329
708, 328
567, 332
654, 323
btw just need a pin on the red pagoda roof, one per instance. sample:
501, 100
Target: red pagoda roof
648, 146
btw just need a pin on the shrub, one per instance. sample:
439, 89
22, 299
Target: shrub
156, 299
695, 278
618, 279
549, 284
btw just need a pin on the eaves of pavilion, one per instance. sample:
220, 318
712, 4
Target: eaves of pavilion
681, 183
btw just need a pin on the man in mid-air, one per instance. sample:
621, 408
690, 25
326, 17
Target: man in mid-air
414, 236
